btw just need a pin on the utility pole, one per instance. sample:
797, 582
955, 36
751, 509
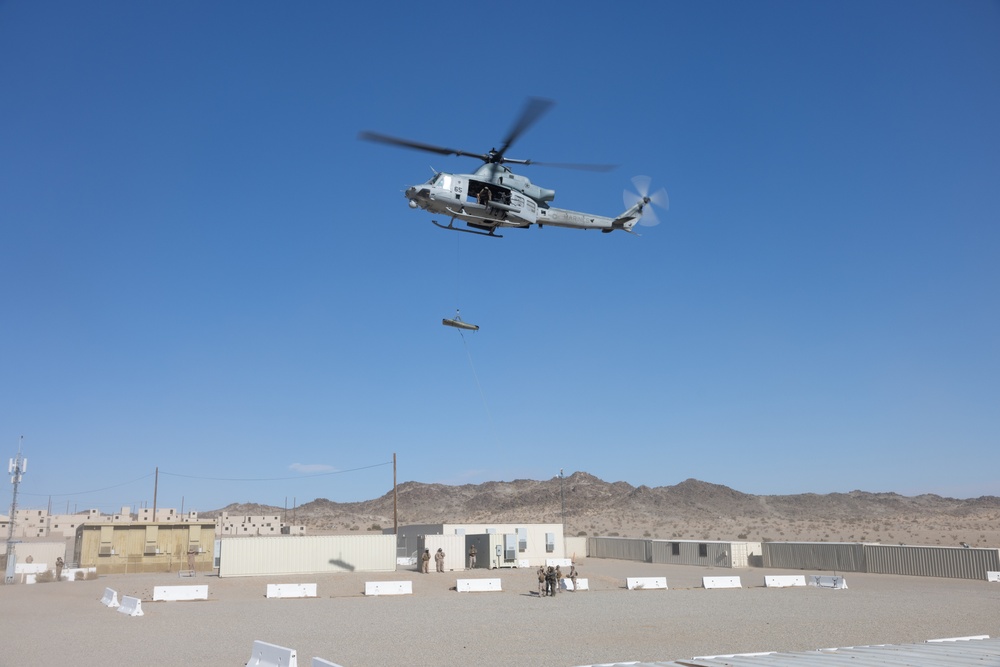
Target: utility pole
156, 487
562, 500
395, 516
16, 468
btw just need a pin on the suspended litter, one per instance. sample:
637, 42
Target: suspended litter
458, 323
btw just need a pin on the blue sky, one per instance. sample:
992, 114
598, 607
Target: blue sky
204, 270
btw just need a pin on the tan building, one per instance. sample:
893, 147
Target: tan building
251, 525
145, 547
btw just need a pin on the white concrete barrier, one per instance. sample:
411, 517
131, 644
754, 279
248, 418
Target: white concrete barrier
781, 581
291, 590
172, 593
646, 583
477, 585
388, 588
993, 576
110, 598
131, 606
318, 662
561, 562
83, 572
581, 584
721, 582
30, 568
826, 581
272, 655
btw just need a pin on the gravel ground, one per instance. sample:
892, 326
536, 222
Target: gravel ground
65, 623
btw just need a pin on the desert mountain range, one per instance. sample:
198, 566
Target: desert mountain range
692, 510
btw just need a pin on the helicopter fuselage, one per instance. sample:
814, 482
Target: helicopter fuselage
488, 205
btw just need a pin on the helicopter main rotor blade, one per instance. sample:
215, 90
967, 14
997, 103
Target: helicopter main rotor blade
533, 110
430, 148
570, 165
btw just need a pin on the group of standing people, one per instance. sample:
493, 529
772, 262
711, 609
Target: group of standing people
549, 578
438, 560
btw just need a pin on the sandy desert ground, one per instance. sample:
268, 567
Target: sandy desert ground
65, 623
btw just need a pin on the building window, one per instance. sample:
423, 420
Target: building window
550, 542
703, 551
675, 548
522, 539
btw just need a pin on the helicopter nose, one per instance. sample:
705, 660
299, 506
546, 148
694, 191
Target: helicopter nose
413, 193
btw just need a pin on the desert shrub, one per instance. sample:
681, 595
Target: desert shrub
375, 526
582, 533
741, 536
354, 527
45, 577
613, 534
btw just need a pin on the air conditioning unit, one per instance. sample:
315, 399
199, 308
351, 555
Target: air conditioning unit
105, 551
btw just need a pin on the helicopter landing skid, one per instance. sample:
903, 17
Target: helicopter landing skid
452, 227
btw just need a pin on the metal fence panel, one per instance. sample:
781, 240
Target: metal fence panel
717, 554
957, 562
830, 556
622, 548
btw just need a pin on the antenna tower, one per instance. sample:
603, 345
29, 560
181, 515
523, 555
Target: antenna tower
16, 468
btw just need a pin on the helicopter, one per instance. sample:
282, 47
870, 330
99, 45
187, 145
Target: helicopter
494, 197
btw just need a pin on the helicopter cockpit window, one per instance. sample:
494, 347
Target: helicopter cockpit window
441, 181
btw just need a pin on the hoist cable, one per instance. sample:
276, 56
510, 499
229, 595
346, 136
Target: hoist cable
482, 394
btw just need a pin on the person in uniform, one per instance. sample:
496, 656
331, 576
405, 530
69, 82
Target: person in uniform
439, 560
59, 568
572, 576
550, 581
541, 581
426, 558
472, 556
559, 577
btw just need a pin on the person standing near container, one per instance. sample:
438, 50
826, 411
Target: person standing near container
439, 560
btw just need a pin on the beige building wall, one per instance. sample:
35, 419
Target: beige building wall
145, 547
534, 542
250, 525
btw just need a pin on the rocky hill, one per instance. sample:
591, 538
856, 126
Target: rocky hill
691, 509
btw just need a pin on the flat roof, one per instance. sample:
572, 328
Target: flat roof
953, 652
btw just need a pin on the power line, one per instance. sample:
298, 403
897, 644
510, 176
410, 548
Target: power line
214, 479
82, 493
275, 479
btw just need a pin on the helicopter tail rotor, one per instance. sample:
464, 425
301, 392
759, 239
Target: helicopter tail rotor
648, 217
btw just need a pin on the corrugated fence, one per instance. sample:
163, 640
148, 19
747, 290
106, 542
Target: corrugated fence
926, 561
955, 562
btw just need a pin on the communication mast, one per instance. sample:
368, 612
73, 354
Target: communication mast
15, 468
